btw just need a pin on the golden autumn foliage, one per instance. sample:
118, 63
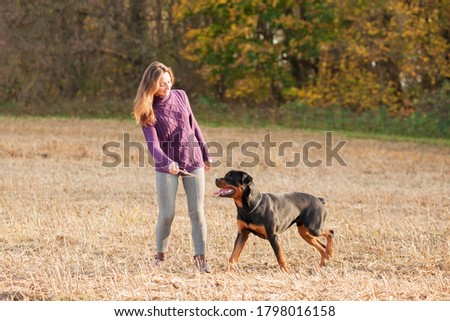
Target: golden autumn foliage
359, 55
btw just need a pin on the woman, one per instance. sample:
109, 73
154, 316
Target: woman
179, 149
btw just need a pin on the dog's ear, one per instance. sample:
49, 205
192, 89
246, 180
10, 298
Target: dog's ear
246, 179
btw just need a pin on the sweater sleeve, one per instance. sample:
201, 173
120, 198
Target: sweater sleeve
197, 131
162, 162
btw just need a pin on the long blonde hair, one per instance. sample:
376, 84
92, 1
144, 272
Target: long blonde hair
143, 103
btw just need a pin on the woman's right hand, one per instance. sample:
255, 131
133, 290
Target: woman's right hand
173, 168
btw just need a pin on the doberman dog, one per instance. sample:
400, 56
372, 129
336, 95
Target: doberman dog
268, 215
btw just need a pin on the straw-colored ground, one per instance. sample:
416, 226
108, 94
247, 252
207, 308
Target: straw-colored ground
72, 229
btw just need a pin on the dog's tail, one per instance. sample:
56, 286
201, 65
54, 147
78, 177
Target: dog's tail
322, 200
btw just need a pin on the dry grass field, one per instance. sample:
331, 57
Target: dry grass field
72, 229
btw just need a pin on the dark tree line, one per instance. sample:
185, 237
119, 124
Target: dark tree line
353, 54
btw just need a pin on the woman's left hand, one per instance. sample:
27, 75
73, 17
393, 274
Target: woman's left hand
207, 166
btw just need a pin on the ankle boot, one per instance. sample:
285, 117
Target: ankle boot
159, 259
201, 263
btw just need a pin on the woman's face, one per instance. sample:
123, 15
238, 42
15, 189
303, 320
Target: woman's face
165, 84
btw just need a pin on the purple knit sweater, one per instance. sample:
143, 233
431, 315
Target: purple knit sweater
175, 136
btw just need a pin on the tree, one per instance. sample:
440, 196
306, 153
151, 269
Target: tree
255, 49
388, 54
355, 54
69, 49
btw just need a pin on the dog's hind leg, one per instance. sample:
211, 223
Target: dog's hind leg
329, 247
324, 250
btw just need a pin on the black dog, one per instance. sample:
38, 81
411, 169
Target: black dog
268, 215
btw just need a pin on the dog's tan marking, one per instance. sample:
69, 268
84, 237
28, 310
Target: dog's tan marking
239, 244
259, 230
238, 196
326, 251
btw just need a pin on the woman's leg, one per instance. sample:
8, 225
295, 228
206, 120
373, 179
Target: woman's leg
166, 188
195, 193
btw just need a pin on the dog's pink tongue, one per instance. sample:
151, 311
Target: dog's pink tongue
223, 192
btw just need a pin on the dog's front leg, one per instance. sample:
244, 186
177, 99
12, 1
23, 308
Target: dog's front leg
275, 242
239, 244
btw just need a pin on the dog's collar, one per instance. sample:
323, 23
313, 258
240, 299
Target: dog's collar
256, 206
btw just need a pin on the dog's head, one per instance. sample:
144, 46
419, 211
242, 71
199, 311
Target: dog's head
233, 184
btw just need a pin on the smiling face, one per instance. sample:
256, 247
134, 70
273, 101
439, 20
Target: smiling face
164, 85
233, 184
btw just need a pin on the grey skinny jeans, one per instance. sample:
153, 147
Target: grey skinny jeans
166, 187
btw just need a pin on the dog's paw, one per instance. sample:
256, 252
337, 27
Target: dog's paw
231, 267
